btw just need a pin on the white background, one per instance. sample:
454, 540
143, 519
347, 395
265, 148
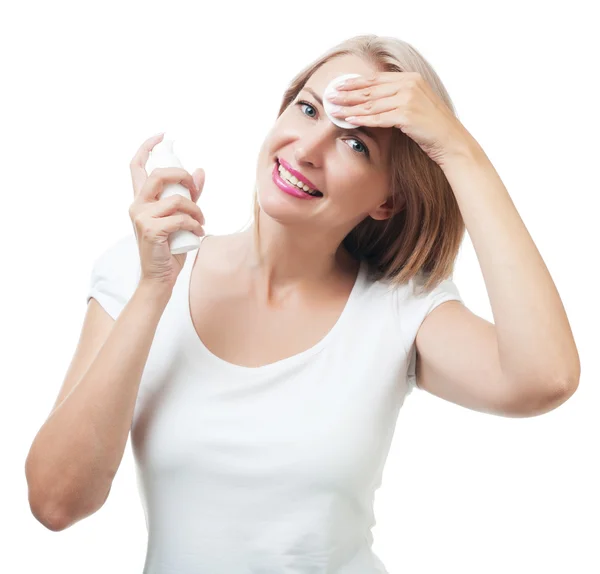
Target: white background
85, 84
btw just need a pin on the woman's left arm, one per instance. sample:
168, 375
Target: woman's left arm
535, 340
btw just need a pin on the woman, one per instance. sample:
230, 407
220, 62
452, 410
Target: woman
262, 387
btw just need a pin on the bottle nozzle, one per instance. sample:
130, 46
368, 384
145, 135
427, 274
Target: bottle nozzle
162, 155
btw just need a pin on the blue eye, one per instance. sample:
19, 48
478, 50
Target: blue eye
362, 144
306, 104
364, 151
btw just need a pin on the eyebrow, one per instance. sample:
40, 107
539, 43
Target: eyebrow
361, 129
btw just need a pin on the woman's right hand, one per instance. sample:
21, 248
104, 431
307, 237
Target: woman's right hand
155, 219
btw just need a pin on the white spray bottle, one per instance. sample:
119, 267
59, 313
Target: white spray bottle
182, 240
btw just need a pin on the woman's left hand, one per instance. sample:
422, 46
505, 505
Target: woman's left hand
406, 101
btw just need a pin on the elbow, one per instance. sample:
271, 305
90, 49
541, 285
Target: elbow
561, 393
55, 517
47, 513
53, 520
565, 386
61, 505
48, 516
534, 399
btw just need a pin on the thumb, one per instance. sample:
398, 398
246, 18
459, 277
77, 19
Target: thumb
198, 176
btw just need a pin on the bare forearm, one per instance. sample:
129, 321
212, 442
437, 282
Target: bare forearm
535, 341
78, 450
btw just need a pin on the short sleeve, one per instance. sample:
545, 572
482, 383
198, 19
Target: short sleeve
115, 275
414, 308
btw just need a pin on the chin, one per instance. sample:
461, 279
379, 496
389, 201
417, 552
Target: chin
276, 205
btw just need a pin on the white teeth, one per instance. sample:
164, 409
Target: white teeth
294, 180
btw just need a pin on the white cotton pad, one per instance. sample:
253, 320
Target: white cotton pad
327, 104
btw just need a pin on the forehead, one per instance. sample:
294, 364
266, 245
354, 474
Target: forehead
347, 64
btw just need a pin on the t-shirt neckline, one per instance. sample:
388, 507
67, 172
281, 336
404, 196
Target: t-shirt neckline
197, 346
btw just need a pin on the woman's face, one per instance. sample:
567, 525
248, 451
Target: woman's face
348, 167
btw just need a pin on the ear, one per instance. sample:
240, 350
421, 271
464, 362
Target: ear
385, 210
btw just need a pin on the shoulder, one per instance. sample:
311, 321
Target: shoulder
409, 305
115, 274
443, 291
406, 305
120, 259
119, 250
413, 293
411, 290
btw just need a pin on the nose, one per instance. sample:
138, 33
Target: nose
304, 156
312, 146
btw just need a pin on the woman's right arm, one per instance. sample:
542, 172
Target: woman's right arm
76, 453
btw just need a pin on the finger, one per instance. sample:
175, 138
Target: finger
372, 79
161, 176
175, 204
370, 108
381, 120
138, 163
358, 96
164, 226
199, 176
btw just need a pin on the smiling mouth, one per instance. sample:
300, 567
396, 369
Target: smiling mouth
292, 180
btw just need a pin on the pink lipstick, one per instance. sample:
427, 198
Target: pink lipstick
288, 187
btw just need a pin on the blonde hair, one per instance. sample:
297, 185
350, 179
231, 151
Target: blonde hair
424, 236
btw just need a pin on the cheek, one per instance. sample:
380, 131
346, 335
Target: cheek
350, 183
347, 193
356, 195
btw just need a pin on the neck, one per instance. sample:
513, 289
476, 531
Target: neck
287, 257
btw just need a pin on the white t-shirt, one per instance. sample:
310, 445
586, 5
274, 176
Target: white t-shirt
272, 469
